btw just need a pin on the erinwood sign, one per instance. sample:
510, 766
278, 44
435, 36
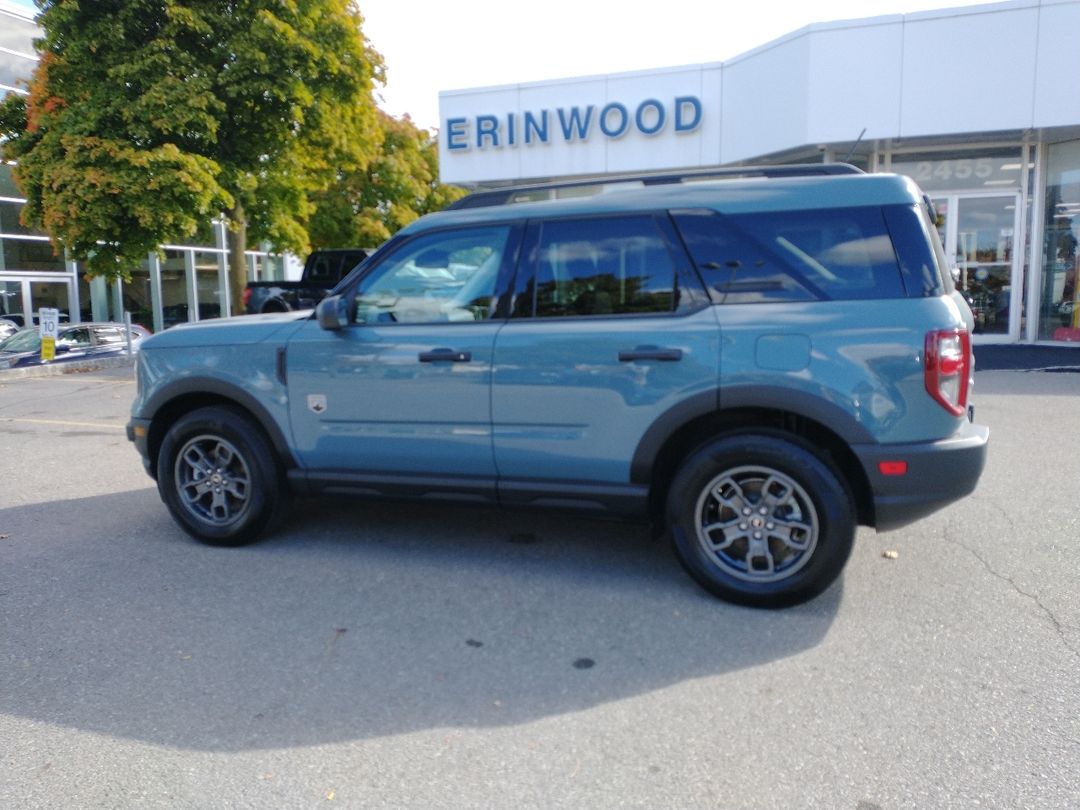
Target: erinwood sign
593, 125
613, 120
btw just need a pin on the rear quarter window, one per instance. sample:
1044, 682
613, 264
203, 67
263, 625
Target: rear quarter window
827, 254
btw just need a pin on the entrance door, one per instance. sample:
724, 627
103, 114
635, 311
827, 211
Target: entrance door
22, 298
979, 232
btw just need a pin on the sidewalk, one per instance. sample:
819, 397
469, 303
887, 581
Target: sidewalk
72, 367
1027, 357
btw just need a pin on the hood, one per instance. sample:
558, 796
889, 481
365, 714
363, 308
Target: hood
239, 330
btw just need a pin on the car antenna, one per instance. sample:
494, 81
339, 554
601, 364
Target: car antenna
854, 146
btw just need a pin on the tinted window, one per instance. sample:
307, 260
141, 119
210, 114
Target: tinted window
320, 269
918, 248
845, 252
79, 336
611, 266
437, 277
735, 265
108, 335
834, 253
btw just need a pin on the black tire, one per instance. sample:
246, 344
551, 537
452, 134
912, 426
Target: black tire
760, 520
219, 477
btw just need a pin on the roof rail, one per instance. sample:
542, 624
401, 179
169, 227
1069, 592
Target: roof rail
531, 193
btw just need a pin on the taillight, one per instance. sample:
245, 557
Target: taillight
246, 296
947, 368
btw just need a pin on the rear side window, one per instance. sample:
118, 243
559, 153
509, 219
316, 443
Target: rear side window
603, 266
836, 253
108, 336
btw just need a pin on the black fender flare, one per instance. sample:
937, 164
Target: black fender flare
728, 398
220, 389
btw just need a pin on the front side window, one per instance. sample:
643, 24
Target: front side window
74, 338
440, 277
615, 266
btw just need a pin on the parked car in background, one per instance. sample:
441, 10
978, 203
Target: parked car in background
83, 341
322, 271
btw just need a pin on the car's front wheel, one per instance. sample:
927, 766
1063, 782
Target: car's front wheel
219, 477
760, 520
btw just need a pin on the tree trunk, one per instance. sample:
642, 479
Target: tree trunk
238, 270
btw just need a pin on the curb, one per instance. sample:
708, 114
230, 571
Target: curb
72, 367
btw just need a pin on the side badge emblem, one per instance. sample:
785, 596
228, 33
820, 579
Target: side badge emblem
316, 403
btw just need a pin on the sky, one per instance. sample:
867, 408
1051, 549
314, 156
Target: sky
433, 45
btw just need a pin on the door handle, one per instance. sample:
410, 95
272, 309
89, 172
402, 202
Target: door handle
651, 353
445, 356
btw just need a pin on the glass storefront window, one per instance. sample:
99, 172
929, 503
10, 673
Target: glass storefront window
7, 182
29, 254
54, 294
136, 297
208, 285
9, 219
174, 307
1059, 314
11, 301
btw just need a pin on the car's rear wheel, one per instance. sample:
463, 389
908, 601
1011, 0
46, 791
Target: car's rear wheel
760, 520
219, 477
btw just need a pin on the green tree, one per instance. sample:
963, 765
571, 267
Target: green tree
366, 207
147, 117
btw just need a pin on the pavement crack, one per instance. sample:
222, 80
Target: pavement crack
1059, 626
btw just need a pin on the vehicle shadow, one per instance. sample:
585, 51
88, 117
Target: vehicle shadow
353, 621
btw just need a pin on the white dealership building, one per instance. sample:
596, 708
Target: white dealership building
981, 105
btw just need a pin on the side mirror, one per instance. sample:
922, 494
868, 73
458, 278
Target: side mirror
333, 313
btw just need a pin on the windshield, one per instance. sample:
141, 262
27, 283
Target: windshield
25, 341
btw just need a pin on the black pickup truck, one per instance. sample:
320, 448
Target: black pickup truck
322, 271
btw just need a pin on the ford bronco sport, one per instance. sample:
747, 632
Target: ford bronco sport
759, 364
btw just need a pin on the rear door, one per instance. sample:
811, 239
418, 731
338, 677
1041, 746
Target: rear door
609, 330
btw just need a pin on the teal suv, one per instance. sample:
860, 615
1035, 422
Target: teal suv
756, 363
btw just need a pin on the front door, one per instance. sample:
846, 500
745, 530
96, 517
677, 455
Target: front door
405, 389
979, 232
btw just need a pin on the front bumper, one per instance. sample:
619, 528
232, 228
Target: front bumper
138, 431
938, 473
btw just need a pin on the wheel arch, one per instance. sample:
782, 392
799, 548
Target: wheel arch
819, 427
275, 304
185, 396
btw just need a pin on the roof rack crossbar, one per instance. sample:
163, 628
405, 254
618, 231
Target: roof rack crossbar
503, 196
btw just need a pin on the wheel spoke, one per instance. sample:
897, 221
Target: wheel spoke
731, 529
759, 550
776, 493
793, 534
728, 493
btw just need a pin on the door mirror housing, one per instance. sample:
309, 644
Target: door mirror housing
333, 313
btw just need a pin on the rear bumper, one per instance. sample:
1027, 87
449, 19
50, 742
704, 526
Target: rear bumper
938, 473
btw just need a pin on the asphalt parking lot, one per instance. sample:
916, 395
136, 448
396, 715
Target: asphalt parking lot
384, 655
